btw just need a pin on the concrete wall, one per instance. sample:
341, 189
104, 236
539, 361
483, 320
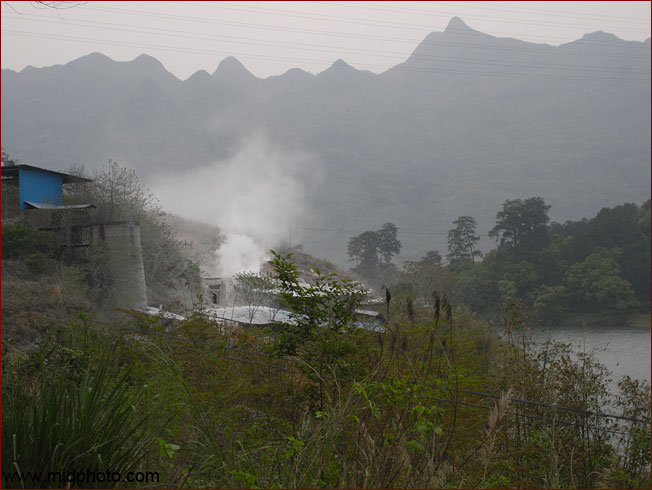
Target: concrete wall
125, 257
218, 291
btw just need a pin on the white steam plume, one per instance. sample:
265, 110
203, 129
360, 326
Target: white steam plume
253, 197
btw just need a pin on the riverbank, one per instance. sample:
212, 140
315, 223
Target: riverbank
624, 350
638, 319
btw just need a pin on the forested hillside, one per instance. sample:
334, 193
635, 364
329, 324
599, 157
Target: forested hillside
595, 270
468, 121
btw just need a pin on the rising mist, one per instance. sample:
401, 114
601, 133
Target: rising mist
253, 197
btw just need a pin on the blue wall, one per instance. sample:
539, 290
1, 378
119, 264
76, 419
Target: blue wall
38, 186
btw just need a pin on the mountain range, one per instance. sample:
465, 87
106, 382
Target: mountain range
466, 122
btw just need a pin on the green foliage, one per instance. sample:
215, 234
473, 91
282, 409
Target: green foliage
550, 301
597, 283
329, 302
323, 332
36, 263
599, 265
256, 290
372, 251
522, 225
476, 286
634, 456
19, 241
507, 290
389, 244
320, 403
65, 427
363, 249
462, 241
427, 276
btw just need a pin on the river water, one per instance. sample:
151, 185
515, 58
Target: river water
623, 350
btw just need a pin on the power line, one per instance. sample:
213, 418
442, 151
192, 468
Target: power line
342, 230
300, 15
481, 6
311, 47
291, 29
360, 21
313, 61
549, 12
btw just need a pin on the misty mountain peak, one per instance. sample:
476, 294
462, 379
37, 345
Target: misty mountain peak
230, 70
456, 25
339, 66
600, 37
147, 60
92, 59
198, 75
296, 72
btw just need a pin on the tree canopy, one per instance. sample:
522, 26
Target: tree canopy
598, 266
522, 224
373, 250
462, 241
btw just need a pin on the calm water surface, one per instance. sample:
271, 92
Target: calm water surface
623, 350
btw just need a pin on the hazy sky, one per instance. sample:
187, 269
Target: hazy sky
272, 37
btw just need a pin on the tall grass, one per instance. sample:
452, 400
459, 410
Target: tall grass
407, 412
90, 427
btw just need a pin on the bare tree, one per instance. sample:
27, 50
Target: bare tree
254, 290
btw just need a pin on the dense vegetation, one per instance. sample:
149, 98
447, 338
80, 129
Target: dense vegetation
41, 272
117, 195
434, 400
597, 269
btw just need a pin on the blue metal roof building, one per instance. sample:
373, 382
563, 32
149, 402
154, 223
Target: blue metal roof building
40, 188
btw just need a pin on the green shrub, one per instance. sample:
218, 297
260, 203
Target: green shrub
90, 427
17, 241
37, 263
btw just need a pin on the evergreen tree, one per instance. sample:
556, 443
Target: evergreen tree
388, 243
522, 224
462, 241
363, 249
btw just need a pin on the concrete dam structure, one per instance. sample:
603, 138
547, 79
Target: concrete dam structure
125, 258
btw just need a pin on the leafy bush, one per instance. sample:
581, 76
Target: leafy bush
20, 241
17, 241
92, 427
37, 263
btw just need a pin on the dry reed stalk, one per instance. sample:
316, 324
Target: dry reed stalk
496, 416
